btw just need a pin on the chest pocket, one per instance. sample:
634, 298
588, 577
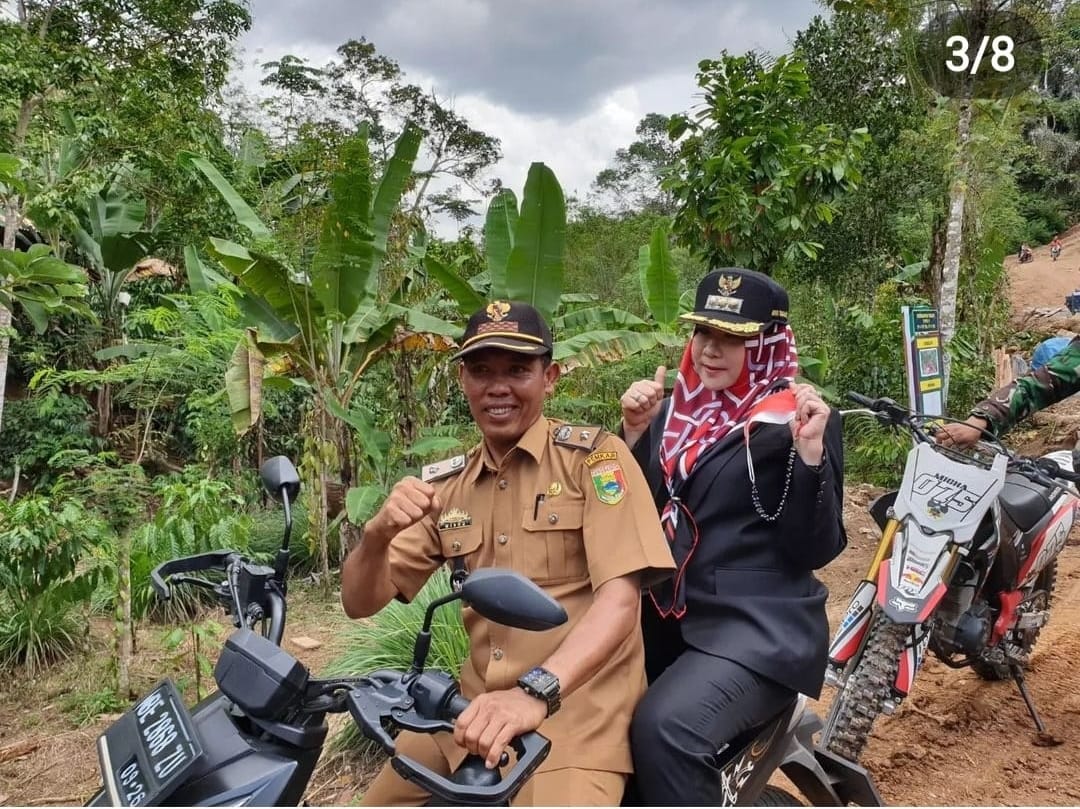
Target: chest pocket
462, 544
554, 548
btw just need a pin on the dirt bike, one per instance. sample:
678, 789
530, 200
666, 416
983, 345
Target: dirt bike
1055, 251
257, 740
965, 567
1026, 256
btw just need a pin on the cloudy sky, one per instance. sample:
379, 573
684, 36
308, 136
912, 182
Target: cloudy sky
560, 81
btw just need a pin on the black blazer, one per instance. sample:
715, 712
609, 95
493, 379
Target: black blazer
751, 595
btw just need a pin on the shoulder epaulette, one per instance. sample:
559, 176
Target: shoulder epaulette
442, 469
577, 436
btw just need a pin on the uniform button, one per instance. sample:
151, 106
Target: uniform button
553, 518
455, 545
497, 654
503, 483
503, 539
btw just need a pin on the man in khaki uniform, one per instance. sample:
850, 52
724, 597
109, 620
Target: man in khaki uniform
568, 507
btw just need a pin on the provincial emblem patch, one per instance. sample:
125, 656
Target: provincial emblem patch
609, 482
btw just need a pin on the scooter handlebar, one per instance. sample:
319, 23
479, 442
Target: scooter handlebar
530, 748
214, 560
429, 702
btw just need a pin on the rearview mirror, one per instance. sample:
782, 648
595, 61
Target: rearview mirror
506, 597
278, 472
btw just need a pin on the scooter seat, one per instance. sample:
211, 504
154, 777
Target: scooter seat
1024, 501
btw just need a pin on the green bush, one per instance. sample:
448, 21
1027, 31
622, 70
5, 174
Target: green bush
386, 642
195, 516
46, 574
267, 528
37, 428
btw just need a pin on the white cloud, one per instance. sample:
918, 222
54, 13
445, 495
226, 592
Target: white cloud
559, 81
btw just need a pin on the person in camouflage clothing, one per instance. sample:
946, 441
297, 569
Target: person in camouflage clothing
1030, 393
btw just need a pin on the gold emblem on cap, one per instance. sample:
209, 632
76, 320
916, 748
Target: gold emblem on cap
497, 310
728, 284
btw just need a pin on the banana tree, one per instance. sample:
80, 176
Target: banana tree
525, 262
112, 238
326, 322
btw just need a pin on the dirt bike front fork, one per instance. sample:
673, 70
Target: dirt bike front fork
1018, 677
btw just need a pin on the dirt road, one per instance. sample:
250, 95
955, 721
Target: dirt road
1042, 284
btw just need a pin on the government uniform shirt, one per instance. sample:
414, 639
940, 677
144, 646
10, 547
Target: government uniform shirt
569, 508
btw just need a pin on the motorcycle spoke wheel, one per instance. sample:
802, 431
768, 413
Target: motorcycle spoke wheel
859, 703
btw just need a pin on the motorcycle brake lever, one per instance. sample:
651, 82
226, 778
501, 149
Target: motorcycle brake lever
374, 708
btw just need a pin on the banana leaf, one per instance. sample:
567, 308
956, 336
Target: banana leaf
241, 210
659, 281
499, 229
534, 271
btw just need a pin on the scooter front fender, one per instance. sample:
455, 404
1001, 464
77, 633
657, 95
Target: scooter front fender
824, 778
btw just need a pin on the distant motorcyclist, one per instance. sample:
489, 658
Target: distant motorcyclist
1058, 379
1055, 248
1025, 254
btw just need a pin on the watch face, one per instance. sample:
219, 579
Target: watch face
540, 679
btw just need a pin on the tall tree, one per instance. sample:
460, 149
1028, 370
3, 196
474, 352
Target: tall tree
926, 28
632, 182
751, 179
858, 78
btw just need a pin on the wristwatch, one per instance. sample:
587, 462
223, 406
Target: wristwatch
540, 683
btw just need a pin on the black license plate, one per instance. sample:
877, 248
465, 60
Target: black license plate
146, 754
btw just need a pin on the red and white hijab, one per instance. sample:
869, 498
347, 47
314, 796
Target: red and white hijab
698, 417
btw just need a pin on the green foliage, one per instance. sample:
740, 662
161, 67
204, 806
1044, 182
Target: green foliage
873, 455
857, 68
38, 427
195, 515
41, 284
85, 707
267, 529
752, 179
45, 576
114, 491
386, 641
189, 645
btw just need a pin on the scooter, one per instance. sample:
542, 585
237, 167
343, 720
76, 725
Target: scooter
1055, 251
786, 743
256, 740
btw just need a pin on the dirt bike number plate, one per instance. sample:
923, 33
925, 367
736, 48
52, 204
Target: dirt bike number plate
149, 750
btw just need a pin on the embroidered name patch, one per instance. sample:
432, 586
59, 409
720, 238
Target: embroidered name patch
609, 482
597, 457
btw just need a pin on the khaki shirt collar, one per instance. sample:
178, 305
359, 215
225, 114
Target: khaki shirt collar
534, 442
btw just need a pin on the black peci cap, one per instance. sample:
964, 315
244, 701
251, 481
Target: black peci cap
738, 301
509, 325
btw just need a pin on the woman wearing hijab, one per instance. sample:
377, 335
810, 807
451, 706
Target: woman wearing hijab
746, 469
